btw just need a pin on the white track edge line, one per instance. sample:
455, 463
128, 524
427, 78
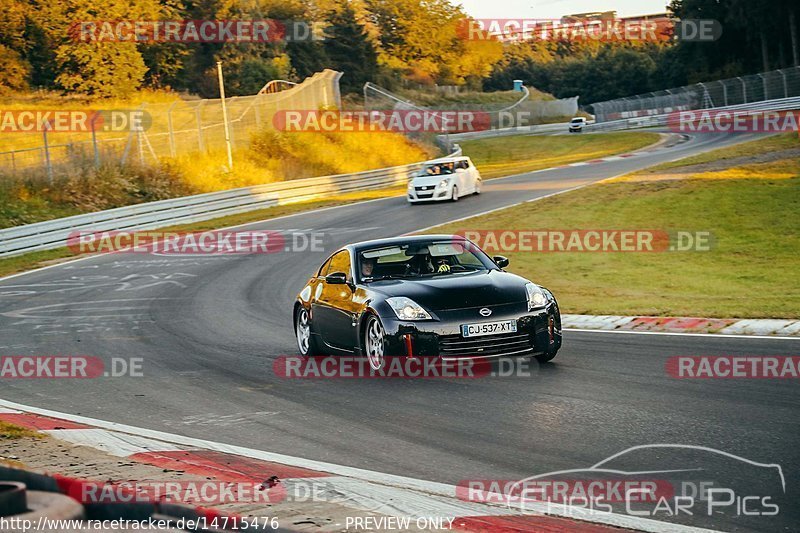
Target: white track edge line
687, 334
432, 487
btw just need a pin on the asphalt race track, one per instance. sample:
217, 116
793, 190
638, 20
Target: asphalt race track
208, 329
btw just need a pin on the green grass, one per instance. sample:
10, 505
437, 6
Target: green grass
773, 143
504, 156
14, 432
751, 271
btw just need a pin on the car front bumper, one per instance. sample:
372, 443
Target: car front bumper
538, 330
433, 195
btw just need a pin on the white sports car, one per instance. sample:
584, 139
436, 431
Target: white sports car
445, 179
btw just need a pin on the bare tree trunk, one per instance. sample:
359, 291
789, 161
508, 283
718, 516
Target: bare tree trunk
793, 33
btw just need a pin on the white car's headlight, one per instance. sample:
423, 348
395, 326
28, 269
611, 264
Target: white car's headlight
536, 296
444, 183
407, 309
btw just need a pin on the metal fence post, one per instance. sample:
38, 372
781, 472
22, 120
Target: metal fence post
171, 131
94, 141
225, 115
47, 164
199, 124
744, 88
785, 87
724, 93
257, 107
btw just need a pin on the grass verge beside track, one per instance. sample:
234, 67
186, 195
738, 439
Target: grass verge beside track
582, 151
10, 431
505, 156
750, 271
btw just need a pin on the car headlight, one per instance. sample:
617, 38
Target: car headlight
536, 296
407, 309
444, 183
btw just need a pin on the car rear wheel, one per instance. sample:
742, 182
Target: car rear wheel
374, 344
477, 186
302, 330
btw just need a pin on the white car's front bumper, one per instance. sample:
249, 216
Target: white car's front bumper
429, 193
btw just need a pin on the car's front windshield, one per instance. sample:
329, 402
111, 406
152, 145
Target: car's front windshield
421, 259
437, 169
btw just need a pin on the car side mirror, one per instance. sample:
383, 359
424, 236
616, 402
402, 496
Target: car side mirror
336, 278
501, 261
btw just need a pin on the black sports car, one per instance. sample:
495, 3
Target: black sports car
430, 295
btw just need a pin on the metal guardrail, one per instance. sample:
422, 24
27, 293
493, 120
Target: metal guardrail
781, 104
503, 132
645, 121
54, 233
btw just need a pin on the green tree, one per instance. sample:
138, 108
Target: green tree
348, 49
14, 68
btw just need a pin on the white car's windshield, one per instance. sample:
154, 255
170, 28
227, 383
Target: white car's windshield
437, 169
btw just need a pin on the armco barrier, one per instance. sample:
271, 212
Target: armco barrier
54, 233
644, 121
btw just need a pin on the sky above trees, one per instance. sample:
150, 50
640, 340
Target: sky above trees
557, 8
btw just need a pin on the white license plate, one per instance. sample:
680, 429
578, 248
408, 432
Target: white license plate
489, 328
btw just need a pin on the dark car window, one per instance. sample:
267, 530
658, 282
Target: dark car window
340, 262
418, 259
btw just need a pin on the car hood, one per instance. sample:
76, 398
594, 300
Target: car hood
457, 291
429, 180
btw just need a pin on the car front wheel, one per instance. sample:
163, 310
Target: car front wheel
302, 329
455, 194
374, 343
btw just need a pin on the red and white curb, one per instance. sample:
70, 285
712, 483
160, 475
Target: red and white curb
360, 489
778, 328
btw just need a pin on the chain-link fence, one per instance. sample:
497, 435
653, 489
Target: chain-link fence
173, 129
523, 112
773, 85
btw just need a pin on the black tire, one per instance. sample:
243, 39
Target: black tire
374, 342
307, 347
478, 187
455, 193
554, 331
